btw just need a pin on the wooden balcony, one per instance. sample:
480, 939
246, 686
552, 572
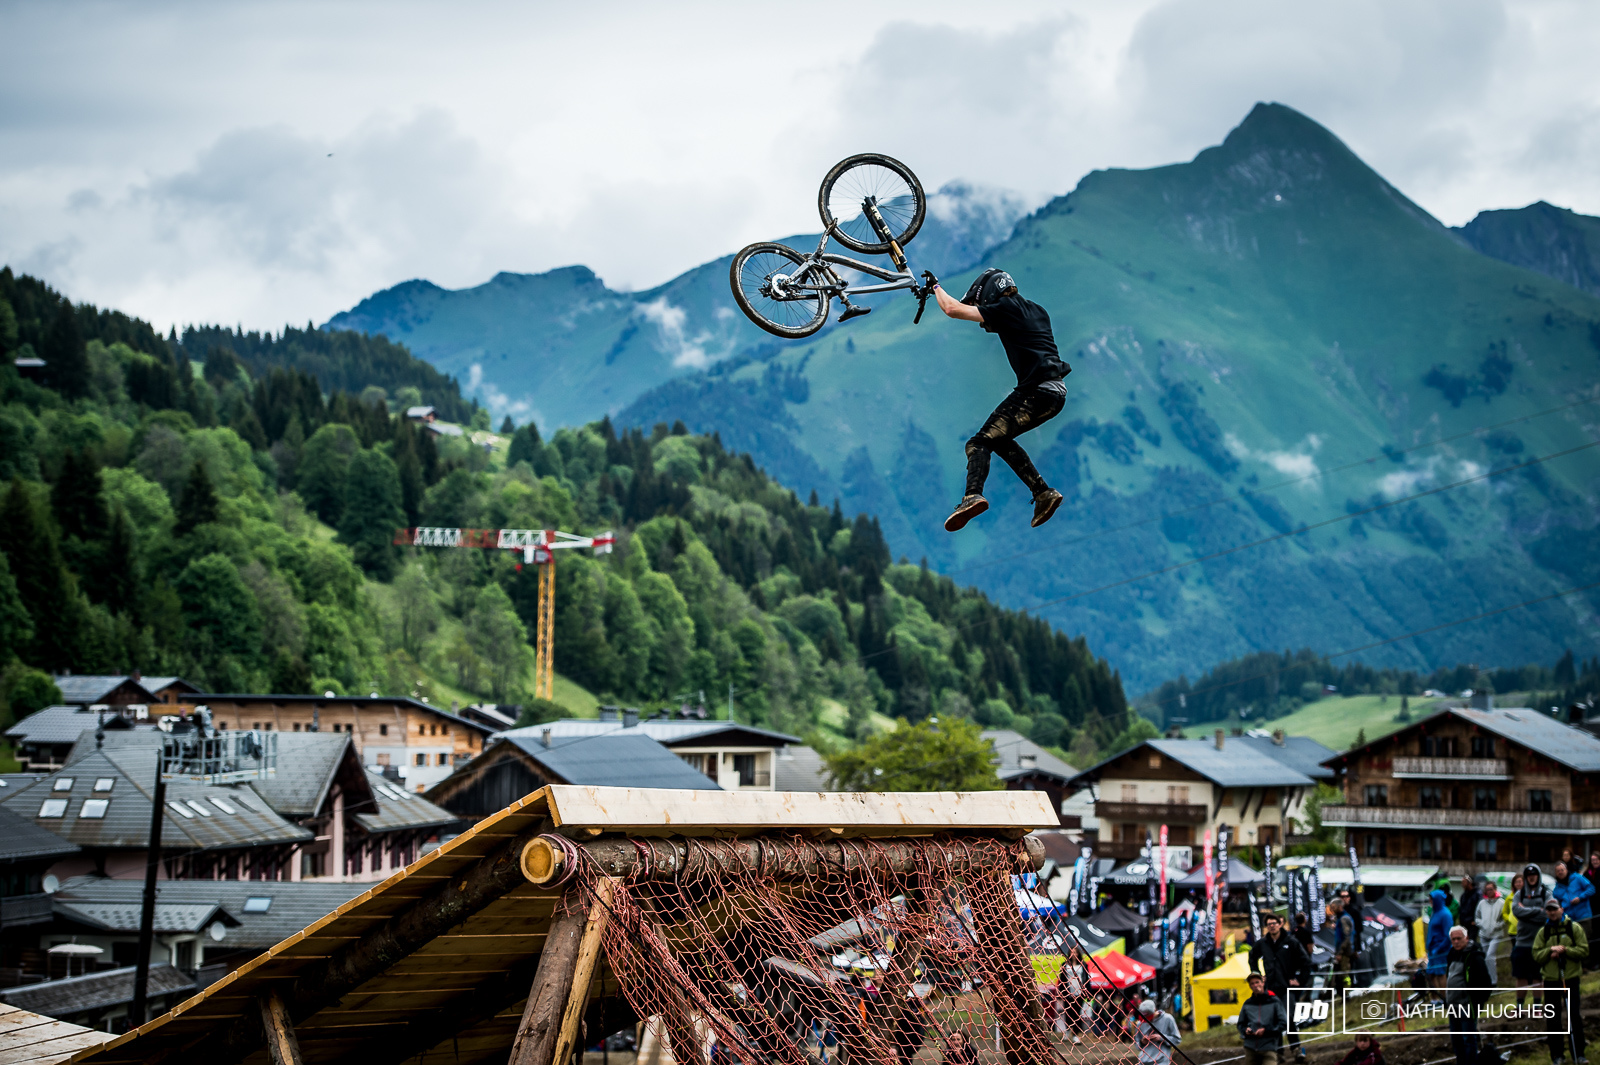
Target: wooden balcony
1452, 768
1156, 813
1458, 820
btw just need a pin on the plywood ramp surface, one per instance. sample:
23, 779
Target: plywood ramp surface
33, 1039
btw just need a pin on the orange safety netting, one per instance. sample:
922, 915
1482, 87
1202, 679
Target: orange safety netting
862, 960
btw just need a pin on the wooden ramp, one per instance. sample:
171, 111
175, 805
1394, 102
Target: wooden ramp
32, 1039
435, 963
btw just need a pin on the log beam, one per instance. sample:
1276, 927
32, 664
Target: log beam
282, 1046
583, 972
664, 859
552, 986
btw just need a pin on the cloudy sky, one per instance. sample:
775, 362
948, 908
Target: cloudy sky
261, 163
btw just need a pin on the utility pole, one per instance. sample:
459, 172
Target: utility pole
147, 909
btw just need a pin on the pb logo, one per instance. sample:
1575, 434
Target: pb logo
1310, 1011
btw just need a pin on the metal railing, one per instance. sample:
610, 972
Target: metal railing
1154, 812
222, 758
1453, 768
1339, 815
18, 910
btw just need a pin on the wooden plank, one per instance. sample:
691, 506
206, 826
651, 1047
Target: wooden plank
588, 952
55, 1050
660, 810
282, 1045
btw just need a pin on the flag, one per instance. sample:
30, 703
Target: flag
1314, 903
1355, 870
1163, 867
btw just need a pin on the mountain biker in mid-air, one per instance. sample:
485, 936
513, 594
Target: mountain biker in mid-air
1024, 330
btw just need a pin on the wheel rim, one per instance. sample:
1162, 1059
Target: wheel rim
755, 284
896, 199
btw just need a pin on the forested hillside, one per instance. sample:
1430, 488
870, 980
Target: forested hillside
217, 516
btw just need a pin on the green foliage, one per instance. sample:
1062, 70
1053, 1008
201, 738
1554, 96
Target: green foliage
538, 711
16, 626
372, 511
323, 467
198, 504
1320, 833
24, 690
945, 755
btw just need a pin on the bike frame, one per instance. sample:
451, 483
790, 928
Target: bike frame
820, 261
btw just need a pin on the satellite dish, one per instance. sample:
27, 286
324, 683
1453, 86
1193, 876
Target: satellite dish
51, 884
216, 931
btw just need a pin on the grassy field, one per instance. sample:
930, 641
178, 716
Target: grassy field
1335, 722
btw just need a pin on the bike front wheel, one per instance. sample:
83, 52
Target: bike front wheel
759, 277
887, 183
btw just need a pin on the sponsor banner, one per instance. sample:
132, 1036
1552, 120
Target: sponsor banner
1310, 1008
1384, 1012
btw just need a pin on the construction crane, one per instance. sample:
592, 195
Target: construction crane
538, 547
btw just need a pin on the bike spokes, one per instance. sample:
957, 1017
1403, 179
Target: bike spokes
778, 291
877, 182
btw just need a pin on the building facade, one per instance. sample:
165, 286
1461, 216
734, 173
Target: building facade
1472, 788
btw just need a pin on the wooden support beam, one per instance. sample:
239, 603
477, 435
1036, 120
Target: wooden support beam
667, 859
282, 1046
583, 971
552, 985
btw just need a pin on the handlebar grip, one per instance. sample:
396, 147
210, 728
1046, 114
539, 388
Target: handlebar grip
921, 306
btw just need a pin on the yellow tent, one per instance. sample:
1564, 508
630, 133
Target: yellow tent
1047, 967
1219, 993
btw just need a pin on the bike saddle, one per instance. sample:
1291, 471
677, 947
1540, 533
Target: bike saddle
854, 312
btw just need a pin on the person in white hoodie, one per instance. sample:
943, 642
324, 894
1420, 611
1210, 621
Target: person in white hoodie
1491, 926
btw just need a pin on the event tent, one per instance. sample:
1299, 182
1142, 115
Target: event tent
1116, 969
1239, 875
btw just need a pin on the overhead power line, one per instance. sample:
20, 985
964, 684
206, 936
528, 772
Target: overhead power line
1368, 461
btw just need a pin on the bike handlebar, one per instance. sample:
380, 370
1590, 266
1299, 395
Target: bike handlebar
923, 293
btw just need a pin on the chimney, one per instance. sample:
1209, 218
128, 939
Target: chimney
544, 736
1482, 700
1278, 737
609, 713
630, 717
1219, 739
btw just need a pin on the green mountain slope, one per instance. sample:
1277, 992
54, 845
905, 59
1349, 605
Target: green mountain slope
1271, 310
1551, 240
561, 348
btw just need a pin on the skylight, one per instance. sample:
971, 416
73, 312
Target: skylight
94, 809
62, 784
53, 808
222, 805
179, 808
104, 783
258, 904
197, 807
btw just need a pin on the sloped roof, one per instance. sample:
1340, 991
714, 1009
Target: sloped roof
21, 840
93, 991
1568, 745
257, 698
609, 760
124, 916
670, 733
799, 768
1014, 749
194, 817
307, 764
94, 688
1300, 753
398, 809
153, 685
1237, 765
62, 724
291, 905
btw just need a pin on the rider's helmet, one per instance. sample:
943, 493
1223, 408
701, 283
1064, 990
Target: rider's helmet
989, 286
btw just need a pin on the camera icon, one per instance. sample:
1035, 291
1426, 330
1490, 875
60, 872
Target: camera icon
1373, 1009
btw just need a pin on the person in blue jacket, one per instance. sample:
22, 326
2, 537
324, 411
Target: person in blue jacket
1438, 938
1574, 890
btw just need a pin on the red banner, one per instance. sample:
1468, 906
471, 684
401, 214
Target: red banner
1163, 864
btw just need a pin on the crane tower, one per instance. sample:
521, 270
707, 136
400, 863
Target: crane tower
538, 547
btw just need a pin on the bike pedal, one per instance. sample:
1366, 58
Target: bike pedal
854, 312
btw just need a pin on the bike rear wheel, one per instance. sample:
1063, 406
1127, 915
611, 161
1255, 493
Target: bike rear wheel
891, 185
757, 277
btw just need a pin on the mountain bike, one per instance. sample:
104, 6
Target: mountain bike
871, 204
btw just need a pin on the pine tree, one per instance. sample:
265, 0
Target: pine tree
43, 584
16, 627
372, 511
412, 485
119, 583
199, 503
524, 446
66, 355
76, 498
507, 427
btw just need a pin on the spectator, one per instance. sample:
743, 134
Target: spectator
1559, 947
1365, 1052
1284, 963
1574, 892
1302, 932
958, 1049
1438, 936
1344, 943
1261, 1023
1465, 976
1467, 908
1157, 1033
1491, 925
1527, 906
1352, 906
1072, 984
1593, 871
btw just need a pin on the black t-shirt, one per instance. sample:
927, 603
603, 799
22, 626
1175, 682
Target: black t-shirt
1024, 329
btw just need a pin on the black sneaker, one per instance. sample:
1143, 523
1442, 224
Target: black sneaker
1044, 505
965, 511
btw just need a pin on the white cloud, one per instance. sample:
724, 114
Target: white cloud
671, 323
485, 137
1299, 463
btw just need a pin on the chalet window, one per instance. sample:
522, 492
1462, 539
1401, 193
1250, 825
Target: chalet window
1178, 794
383, 730
1130, 793
383, 759
1270, 799
1376, 795
297, 726
1227, 797
1483, 850
1483, 746
1430, 847
1377, 846
1430, 798
1539, 799
422, 759
422, 730
1155, 761
1485, 798
1438, 746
